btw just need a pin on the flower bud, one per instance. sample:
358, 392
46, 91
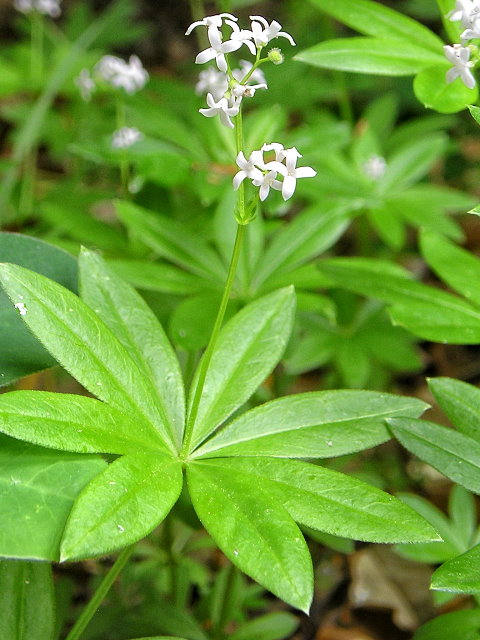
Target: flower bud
276, 56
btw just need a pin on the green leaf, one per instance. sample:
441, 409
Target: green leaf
191, 322
169, 239
310, 234
370, 55
248, 348
84, 346
389, 226
27, 601
122, 505
333, 502
20, 352
411, 162
431, 552
71, 423
457, 267
320, 424
271, 626
253, 530
428, 312
454, 454
433, 91
460, 401
37, 491
134, 324
459, 625
157, 276
459, 575
374, 19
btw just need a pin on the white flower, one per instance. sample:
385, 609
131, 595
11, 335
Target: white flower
118, 73
47, 7
243, 36
375, 167
257, 76
290, 172
217, 49
210, 21
126, 137
248, 168
266, 182
212, 81
262, 32
86, 84
473, 30
247, 90
459, 56
465, 11
226, 109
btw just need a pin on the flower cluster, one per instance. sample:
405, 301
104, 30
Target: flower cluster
126, 137
47, 7
460, 55
225, 88
129, 76
266, 174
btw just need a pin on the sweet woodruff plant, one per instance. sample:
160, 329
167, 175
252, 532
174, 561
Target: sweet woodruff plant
244, 469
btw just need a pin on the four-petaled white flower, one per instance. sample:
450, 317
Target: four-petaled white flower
217, 49
130, 76
262, 32
248, 168
224, 108
459, 56
47, 7
243, 36
290, 172
126, 137
86, 84
266, 182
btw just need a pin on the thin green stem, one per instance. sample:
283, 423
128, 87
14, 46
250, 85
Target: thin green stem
343, 97
89, 611
36, 48
197, 9
225, 605
237, 249
207, 356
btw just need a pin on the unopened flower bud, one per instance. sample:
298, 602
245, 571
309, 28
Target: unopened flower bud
276, 56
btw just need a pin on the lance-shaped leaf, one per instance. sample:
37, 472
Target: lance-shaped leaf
374, 19
253, 530
169, 240
370, 55
459, 575
310, 233
312, 425
27, 601
84, 345
460, 401
20, 352
248, 348
125, 312
122, 505
425, 311
457, 267
333, 502
454, 454
72, 423
37, 491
